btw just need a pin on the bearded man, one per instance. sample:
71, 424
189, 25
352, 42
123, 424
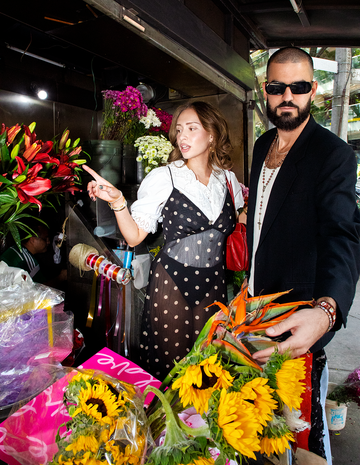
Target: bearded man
303, 226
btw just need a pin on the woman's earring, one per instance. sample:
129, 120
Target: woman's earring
211, 148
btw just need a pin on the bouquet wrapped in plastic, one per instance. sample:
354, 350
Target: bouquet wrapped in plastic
107, 422
34, 332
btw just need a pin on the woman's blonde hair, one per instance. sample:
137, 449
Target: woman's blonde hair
213, 122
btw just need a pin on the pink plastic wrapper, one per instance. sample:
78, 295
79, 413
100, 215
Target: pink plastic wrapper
28, 436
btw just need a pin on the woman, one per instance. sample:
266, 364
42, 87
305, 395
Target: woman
191, 198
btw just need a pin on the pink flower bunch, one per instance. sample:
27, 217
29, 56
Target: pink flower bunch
122, 111
165, 119
129, 99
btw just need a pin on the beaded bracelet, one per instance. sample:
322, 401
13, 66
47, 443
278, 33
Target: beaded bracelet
330, 311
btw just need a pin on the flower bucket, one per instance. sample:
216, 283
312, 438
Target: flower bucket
335, 415
129, 165
106, 157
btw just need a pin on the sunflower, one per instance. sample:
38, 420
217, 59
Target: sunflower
66, 461
260, 393
289, 387
99, 403
84, 443
276, 436
132, 453
275, 445
200, 381
238, 422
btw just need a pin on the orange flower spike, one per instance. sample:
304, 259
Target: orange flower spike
240, 312
224, 309
214, 325
267, 324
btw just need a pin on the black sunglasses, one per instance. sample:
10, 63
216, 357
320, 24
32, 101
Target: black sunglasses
279, 88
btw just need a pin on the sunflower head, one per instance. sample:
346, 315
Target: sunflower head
233, 425
97, 402
199, 381
260, 394
276, 436
285, 376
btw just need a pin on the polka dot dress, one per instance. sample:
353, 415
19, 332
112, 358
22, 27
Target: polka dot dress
187, 275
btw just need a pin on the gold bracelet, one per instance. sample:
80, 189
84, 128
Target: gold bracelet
121, 195
120, 208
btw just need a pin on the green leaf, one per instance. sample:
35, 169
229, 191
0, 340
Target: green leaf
15, 234
3, 137
5, 180
5, 157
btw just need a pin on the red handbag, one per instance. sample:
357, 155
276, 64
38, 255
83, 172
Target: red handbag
237, 255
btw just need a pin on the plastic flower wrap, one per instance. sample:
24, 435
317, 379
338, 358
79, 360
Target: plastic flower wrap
107, 423
153, 151
33, 173
34, 330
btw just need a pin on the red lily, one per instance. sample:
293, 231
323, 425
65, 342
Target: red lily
29, 137
43, 156
66, 167
32, 185
11, 132
67, 185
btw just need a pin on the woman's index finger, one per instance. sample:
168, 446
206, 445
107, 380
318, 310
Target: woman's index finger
92, 173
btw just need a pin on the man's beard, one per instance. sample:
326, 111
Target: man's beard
286, 121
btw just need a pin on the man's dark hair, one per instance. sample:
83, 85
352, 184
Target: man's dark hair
290, 55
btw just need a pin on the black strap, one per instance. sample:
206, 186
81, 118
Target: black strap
171, 177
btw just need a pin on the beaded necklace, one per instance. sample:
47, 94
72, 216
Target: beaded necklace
263, 178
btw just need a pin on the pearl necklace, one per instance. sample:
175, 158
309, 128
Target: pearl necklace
263, 178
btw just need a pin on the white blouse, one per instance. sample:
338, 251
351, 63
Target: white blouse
157, 186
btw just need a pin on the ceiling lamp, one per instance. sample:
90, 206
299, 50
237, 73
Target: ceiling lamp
146, 91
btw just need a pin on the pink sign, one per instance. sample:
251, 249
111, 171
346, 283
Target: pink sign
28, 436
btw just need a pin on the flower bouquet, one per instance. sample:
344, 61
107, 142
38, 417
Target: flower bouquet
107, 423
241, 404
33, 174
165, 122
153, 151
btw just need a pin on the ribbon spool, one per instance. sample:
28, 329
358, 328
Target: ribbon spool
87, 258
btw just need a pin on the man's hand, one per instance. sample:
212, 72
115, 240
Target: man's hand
306, 326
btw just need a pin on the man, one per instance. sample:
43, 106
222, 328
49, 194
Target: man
303, 223
25, 259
